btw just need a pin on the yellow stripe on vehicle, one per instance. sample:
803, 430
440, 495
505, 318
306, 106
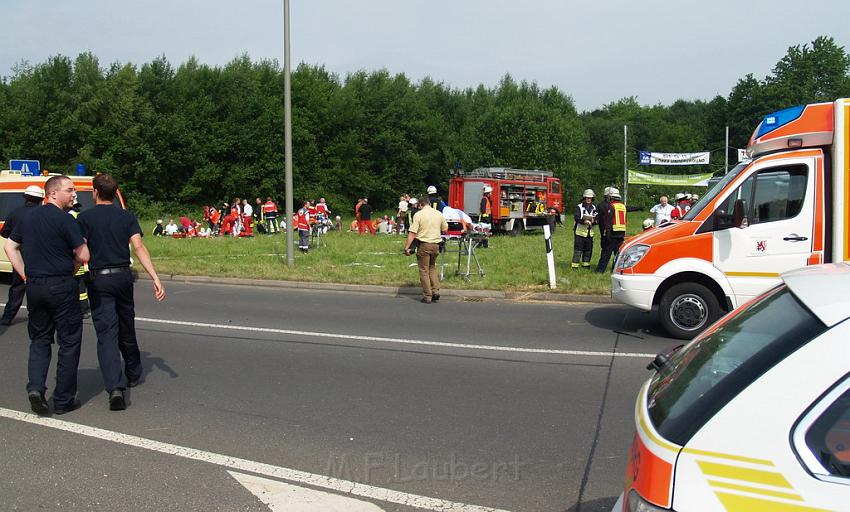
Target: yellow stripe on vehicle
738, 503
752, 274
755, 490
644, 426
755, 476
737, 458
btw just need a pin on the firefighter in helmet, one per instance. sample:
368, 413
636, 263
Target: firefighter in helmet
615, 228
585, 217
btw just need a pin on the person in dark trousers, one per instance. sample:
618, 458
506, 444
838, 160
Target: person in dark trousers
109, 231
426, 229
46, 248
615, 229
585, 216
33, 196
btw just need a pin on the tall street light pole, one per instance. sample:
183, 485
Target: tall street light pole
287, 136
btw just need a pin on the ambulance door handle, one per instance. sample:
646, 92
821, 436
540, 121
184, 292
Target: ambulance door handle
793, 237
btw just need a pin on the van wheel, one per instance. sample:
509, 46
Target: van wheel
516, 230
686, 310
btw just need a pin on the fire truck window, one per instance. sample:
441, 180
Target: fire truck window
556, 187
829, 437
8, 202
779, 194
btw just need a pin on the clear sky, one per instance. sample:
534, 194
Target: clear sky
597, 51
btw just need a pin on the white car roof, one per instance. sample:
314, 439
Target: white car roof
823, 289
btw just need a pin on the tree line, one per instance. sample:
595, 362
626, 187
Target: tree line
196, 134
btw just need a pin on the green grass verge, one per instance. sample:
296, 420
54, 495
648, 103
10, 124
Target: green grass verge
511, 263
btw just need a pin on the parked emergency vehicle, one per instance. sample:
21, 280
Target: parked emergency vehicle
12, 186
786, 208
753, 414
519, 200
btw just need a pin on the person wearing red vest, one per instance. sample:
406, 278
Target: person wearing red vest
302, 220
683, 206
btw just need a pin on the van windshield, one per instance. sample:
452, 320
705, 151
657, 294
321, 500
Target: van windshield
711, 370
715, 190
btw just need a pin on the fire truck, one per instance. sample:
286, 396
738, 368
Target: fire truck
520, 198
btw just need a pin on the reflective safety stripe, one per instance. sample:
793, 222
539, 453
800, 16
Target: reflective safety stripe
619, 221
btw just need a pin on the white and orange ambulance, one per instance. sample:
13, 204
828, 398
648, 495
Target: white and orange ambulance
784, 209
753, 414
12, 186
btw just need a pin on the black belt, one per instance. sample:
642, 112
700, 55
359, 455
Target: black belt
110, 270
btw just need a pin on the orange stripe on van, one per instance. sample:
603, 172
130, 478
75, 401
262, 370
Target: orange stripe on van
819, 208
648, 474
846, 183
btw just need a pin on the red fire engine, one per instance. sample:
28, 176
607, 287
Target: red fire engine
520, 198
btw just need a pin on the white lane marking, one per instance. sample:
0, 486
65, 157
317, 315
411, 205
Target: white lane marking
291, 475
283, 497
397, 340
551, 351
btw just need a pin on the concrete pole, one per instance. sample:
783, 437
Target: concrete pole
625, 163
287, 137
726, 153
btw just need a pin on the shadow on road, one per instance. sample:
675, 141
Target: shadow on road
626, 320
597, 505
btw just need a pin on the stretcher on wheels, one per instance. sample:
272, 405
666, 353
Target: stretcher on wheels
464, 244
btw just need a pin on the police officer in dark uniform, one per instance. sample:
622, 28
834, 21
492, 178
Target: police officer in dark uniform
33, 196
46, 247
108, 231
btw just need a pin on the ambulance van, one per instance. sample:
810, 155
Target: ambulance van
12, 186
753, 414
785, 208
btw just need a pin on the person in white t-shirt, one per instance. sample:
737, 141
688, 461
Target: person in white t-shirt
401, 215
662, 211
171, 228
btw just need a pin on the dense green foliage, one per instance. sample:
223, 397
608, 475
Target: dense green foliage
199, 134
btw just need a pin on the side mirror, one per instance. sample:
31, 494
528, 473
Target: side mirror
663, 357
722, 220
740, 214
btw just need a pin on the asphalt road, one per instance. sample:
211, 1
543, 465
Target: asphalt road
514, 406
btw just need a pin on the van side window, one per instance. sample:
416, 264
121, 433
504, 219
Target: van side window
8, 202
829, 437
779, 194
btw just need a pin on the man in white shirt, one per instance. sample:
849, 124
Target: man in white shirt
171, 228
401, 214
662, 211
456, 216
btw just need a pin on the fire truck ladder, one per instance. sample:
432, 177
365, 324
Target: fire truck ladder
506, 173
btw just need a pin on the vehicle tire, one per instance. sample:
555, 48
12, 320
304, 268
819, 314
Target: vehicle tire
687, 309
517, 230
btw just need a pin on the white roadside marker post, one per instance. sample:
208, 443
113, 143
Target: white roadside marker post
550, 258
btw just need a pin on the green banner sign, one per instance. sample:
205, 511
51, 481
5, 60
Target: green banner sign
683, 180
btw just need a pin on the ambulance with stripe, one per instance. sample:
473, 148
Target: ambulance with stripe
12, 186
753, 414
784, 209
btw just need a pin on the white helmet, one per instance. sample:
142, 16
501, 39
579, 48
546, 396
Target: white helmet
648, 223
432, 189
588, 193
613, 192
34, 191
606, 191
413, 201
680, 196
487, 188
695, 197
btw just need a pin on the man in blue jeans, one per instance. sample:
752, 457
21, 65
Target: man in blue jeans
109, 231
46, 249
